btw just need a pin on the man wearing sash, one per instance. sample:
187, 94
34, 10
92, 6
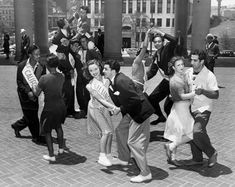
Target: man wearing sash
161, 58
28, 72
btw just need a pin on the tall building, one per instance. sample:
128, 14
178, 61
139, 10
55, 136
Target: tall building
136, 18
6, 16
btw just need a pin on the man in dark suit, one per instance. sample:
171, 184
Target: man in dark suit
133, 131
28, 102
25, 43
160, 61
82, 94
62, 40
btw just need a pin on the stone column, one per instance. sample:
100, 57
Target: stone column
41, 25
113, 29
200, 23
23, 11
181, 23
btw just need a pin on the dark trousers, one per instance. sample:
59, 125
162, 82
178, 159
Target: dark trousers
30, 120
83, 96
201, 141
210, 65
68, 92
24, 55
159, 93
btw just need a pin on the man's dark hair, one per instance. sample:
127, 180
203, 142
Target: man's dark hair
158, 35
82, 36
201, 54
85, 8
32, 48
113, 64
61, 23
52, 60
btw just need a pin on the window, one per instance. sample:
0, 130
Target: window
152, 21
137, 22
89, 4
173, 6
96, 22
168, 22
152, 6
102, 22
96, 6
159, 22
144, 6
130, 6
173, 22
142, 36
102, 6
123, 6
168, 7
137, 36
138, 5
159, 6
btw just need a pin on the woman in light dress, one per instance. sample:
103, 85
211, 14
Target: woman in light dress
179, 124
99, 107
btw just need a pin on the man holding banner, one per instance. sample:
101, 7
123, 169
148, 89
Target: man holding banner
28, 73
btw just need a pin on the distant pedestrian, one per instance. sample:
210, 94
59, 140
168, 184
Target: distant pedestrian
6, 45
212, 50
25, 43
54, 111
206, 89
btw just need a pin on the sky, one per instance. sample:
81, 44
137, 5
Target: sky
224, 2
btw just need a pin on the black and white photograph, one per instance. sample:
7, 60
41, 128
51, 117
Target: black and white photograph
117, 93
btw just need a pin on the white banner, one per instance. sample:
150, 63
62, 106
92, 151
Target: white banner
29, 76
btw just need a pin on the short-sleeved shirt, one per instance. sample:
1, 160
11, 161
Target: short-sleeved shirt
51, 85
178, 85
205, 79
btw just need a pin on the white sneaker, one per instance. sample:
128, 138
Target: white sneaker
117, 161
103, 160
141, 178
49, 158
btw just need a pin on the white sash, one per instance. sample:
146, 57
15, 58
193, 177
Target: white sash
100, 88
29, 76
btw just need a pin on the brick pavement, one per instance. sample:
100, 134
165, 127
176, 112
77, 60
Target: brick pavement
21, 162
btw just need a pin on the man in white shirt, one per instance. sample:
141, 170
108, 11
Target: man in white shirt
206, 89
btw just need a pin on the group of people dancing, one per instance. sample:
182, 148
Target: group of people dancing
102, 91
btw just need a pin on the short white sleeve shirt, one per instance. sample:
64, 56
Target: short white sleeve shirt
205, 79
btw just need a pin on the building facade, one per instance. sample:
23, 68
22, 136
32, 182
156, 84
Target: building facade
7, 23
137, 17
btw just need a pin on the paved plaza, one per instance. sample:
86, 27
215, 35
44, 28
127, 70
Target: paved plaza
21, 162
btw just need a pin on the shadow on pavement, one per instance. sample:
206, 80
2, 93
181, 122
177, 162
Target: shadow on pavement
69, 158
214, 172
132, 170
157, 136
